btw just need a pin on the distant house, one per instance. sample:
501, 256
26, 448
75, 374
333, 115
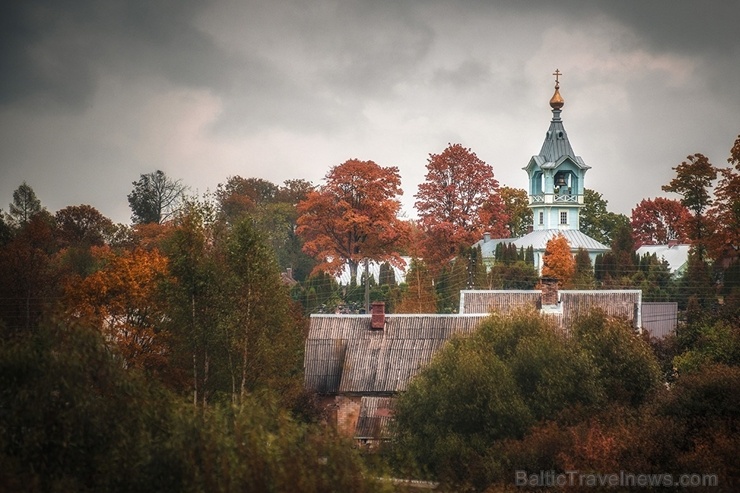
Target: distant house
344, 277
676, 254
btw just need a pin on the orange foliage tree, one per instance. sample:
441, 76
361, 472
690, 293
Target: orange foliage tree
458, 202
353, 216
121, 300
558, 260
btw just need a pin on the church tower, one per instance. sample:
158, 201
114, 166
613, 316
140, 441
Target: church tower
556, 175
556, 195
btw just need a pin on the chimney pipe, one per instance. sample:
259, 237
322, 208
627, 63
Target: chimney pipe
377, 319
486, 237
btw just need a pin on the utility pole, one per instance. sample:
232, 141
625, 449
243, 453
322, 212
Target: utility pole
367, 285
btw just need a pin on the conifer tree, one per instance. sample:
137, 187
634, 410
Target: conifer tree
583, 277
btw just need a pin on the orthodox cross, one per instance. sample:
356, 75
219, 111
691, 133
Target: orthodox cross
557, 74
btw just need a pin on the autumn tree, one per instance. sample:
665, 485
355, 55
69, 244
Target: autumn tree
121, 300
596, 221
29, 278
457, 203
82, 225
516, 208
239, 196
558, 262
659, 221
693, 182
353, 217
155, 198
725, 213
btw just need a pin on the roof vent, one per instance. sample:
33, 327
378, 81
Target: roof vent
377, 319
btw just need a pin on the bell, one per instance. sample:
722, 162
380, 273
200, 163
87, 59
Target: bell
560, 181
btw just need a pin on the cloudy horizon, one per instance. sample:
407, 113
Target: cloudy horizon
96, 93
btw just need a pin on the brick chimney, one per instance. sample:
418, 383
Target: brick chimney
377, 318
549, 287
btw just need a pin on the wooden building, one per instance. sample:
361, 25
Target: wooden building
355, 363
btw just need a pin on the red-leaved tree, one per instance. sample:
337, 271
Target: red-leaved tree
353, 216
725, 214
660, 220
457, 203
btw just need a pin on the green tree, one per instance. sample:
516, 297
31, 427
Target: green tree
693, 182
197, 301
514, 371
516, 208
25, 205
627, 369
596, 221
155, 198
481, 392
265, 342
583, 277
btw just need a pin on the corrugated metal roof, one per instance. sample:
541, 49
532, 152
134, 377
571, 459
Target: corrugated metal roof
556, 148
343, 354
620, 303
501, 301
538, 240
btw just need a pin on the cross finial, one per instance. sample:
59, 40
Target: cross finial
557, 75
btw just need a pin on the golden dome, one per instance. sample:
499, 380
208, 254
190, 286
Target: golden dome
557, 102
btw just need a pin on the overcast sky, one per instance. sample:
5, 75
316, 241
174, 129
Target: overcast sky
94, 93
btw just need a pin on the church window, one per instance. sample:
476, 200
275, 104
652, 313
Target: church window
563, 217
542, 218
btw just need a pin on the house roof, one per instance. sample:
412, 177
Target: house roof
620, 303
343, 354
538, 241
502, 301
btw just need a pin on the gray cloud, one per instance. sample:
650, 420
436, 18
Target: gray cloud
101, 91
55, 51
